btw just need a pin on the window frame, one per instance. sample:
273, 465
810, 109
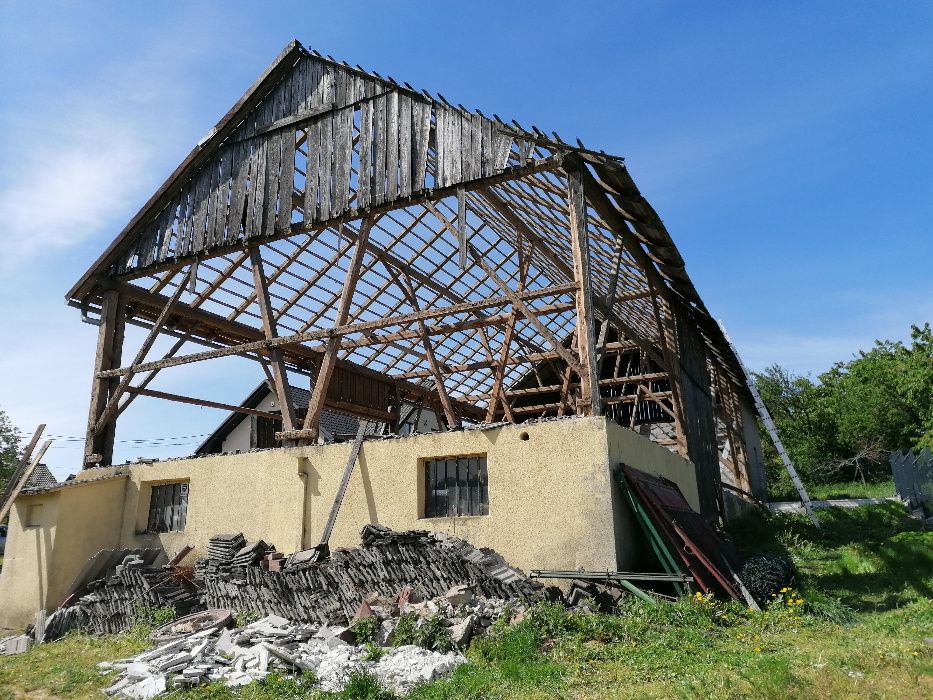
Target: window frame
172, 499
465, 489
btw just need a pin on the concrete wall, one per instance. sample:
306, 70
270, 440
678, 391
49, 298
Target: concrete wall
553, 503
549, 504
51, 537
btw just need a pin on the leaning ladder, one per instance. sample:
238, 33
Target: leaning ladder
772, 432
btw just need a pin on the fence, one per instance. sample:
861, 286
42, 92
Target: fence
913, 478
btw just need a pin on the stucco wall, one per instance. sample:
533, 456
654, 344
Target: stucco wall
549, 504
553, 503
260, 494
24, 580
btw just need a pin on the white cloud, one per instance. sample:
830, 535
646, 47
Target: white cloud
69, 182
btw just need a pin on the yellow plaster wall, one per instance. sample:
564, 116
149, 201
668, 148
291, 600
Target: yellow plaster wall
629, 448
549, 498
553, 503
24, 579
260, 494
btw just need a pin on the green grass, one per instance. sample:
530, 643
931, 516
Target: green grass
865, 578
784, 490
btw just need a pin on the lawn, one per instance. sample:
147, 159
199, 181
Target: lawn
864, 579
784, 491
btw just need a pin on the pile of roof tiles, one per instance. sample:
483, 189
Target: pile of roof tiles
331, 591
113, 603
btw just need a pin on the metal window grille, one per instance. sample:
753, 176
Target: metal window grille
456, 486
168, 507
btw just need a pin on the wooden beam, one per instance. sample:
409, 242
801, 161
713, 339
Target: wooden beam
322, 381
232, 331
139, 391
205, 318
5, 506
149, 377
516, 300
453, 421
113, 403
109, 353
277, 364
588, 403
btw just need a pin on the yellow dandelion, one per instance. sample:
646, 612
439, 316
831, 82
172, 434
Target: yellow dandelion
757, 650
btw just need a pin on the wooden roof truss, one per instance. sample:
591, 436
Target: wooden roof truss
338, 225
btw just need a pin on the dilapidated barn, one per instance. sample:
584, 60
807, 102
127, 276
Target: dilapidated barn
391, 252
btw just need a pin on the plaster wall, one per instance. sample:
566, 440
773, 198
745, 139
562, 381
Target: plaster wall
24, 579
549, 506
553, 502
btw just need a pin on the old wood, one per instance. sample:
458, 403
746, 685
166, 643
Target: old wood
588, 403
23, 479
322, 381
139, 391
277, 364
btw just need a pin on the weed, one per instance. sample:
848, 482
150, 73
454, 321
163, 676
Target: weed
365, 629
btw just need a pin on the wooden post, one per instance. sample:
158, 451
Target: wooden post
588, 404
329, 361
282, 390
98, 445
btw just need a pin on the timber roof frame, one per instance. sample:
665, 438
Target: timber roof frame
453, 273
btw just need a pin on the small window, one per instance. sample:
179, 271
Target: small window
455, 486
168, 507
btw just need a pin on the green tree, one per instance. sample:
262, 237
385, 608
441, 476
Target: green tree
9, 449
845, 423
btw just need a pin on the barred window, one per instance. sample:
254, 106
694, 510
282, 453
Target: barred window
168, 507
456, 486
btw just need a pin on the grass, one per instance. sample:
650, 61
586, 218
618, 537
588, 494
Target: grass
865, 578
784, 490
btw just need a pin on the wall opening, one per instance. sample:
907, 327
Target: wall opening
168, 507
456, 486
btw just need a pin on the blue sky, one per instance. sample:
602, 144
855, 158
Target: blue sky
788, 147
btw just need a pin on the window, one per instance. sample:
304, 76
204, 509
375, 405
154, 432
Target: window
168, 507
456, 486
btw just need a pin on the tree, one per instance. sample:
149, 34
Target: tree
9, 449
847, 421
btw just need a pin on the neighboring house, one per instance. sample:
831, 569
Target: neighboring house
242, 432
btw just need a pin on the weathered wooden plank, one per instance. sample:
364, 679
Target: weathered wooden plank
326, 164
364, 191
404, 144
379, 152
466, 146
462, 227
421, 134
440, 145
257, 184
454, 147
169, 230
392, 146
273, 166
218, 217
201, 207
501, 149
312, 177
286, 178
476, 145
343, 149
488, 149
240, 193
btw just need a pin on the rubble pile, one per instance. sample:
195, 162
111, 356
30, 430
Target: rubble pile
330, 591
333, 653
112, 602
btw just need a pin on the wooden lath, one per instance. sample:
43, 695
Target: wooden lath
337, 222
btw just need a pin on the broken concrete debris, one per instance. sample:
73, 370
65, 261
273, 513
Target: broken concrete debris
332, 652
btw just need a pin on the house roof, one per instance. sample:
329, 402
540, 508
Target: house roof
317, 147
333, 423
